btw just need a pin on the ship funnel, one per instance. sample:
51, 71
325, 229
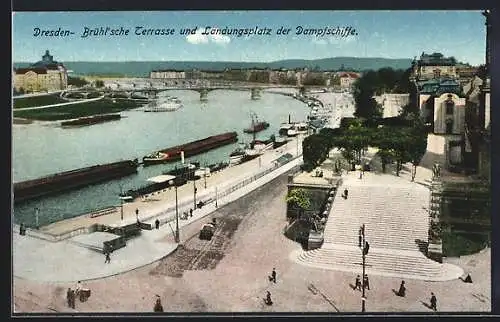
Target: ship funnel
182, 157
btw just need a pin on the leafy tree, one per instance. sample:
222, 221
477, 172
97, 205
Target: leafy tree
315, 149
298, 198
77, 81
99, 83
418, 146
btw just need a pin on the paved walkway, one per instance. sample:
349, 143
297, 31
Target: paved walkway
70, 260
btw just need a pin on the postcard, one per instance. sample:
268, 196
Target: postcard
251, 161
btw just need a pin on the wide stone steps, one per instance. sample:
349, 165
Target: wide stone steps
384, 262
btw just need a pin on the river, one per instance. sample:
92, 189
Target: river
40, 149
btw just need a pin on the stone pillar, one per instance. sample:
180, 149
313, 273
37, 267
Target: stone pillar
204, 95
255, 95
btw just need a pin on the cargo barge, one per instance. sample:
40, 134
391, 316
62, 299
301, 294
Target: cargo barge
72, 179
176, 177
91, 120
190, 149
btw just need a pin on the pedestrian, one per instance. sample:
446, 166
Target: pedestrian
357, 283
433, 302
468, 279
366, 281
190, 212
346, 193
108, 258
268, 299
157, 223
272, 278
78, 288
402, 289
22, 229
72, 296
68, 296
158, 307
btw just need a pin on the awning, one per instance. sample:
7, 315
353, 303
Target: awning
162, 178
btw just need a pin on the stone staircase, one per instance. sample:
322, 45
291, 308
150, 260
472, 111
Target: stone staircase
395, 214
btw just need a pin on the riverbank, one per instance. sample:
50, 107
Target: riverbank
159, 201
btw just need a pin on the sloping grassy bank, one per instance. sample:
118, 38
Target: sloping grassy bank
67, 112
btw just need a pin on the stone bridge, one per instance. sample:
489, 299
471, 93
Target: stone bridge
151, 87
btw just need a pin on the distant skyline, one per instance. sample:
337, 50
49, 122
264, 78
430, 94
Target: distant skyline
384, 34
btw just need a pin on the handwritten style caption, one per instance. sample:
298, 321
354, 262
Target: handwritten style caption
117, 31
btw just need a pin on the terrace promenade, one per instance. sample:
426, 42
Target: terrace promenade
80, 257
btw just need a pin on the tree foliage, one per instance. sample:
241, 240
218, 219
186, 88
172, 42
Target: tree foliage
77, 81
299, 198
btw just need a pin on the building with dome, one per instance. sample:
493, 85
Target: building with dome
42, 76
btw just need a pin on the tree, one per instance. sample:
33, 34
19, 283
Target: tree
99, 83
418, 146
77, 81
315, 149
298, 198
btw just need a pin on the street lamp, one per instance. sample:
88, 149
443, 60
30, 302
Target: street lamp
172, 182
194, 193
215, 197
37, 210
137, 214
121, 202
364, 246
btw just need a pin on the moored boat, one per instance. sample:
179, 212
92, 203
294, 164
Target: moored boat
193, 148
73, 179
256, 125
91, 120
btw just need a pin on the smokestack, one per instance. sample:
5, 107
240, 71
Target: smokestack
182, 157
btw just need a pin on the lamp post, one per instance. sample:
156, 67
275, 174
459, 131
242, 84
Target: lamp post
364, 251
37, 210
215, 197
121, 202
177, 238
205, 177
137, 214
194, 193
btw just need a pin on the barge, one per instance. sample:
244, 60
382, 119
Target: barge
72, 179
191, 149
91, 120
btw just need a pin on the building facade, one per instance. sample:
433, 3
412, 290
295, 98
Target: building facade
45, 75
434, 66
167, 74
347, 79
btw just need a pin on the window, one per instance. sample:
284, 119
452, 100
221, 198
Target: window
449, 107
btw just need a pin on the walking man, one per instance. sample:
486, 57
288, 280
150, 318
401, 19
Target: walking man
402, 289
268, 299
108, 258
72, 296
158, 307
68, 296
346, 193
190, 212
272, 278
433, 302
367, 282
357, 283
157, 223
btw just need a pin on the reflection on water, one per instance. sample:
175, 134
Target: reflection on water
40, 149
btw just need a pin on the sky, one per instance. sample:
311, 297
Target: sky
387, 34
